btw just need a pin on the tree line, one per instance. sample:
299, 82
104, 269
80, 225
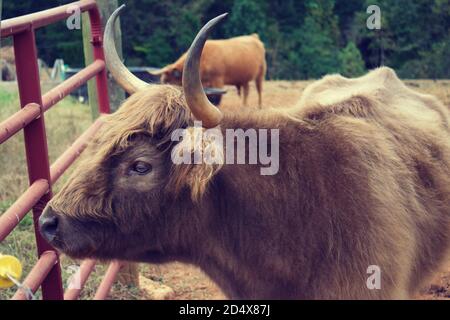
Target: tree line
304, 39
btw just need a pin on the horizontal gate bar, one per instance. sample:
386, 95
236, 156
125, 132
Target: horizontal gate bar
40, 19
79, 280
24, 116
35, 139
12, 217
77, 80
37, 275
18, 121
110, 276
71, 154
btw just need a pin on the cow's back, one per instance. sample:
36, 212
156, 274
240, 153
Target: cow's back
401, 139
238, 60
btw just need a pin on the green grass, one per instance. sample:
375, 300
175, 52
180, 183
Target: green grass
64, 123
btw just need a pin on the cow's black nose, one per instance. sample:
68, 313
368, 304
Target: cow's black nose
48, 224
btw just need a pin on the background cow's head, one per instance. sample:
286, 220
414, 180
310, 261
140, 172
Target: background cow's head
171, 74
126, 199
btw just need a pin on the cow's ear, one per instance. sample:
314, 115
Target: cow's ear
196, 159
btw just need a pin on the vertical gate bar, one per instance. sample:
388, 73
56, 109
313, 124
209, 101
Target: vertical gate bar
36, 146
97, 47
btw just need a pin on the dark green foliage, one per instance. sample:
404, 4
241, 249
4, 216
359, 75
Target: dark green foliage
304, 39
313, 54
53, 41
351, 62
317, 41
246, 17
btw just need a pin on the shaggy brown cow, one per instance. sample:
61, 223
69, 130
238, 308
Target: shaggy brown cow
364, 180
236, 61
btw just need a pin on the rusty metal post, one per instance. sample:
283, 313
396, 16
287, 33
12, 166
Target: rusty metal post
116, 93
36, 146
97, 47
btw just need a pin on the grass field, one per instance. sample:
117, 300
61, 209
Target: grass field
66, 122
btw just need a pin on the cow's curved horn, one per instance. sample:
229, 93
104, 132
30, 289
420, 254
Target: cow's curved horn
196, 98
128, 81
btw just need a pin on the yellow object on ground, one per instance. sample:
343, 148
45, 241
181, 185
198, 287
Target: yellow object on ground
10, 267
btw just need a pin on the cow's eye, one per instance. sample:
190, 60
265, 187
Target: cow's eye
141, 168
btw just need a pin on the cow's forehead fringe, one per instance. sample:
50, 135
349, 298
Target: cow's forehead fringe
151, 111
155, 111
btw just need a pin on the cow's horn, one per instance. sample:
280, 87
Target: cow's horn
128, 81
196, 98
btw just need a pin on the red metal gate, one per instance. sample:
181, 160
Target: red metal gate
47, 273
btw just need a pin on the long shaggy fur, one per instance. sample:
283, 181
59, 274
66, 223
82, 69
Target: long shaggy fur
364, 180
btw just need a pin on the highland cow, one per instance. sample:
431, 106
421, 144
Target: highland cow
363, 181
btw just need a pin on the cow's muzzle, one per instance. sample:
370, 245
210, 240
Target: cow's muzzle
48, 224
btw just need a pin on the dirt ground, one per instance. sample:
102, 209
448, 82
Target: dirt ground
190, 282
